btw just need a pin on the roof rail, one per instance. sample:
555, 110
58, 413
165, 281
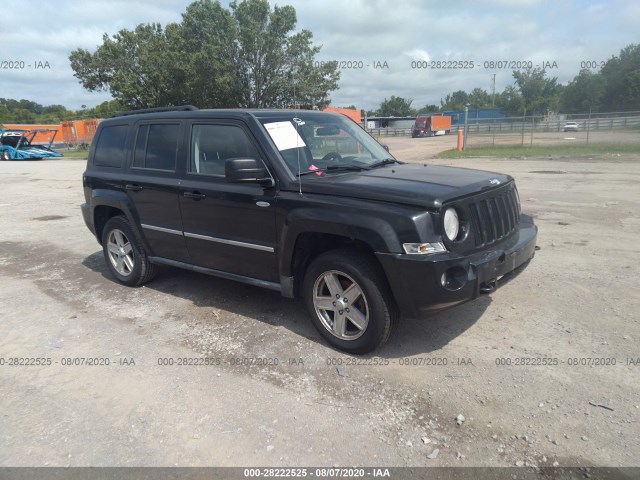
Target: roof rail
181, 108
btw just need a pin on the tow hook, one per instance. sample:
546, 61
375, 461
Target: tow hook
488, 287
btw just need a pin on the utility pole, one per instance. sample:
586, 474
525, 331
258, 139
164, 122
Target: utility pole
588, 124
493, 92
466, 125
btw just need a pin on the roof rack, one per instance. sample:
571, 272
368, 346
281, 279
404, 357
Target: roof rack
181, 108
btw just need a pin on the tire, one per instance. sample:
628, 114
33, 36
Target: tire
6, 155
124, 253
366, 321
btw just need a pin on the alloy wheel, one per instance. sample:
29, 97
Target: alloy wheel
120, 252
341, 305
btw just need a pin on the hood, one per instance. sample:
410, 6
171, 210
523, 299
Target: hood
412, 184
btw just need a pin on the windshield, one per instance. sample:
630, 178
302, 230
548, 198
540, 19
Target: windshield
12, 139
323, 143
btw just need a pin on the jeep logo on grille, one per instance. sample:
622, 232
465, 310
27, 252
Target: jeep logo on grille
494, 181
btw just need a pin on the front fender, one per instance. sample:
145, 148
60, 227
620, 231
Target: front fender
375, 231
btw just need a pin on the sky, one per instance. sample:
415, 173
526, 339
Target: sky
381, 44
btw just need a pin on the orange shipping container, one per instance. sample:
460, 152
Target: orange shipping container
78, 131
349, 112
441, 122
41, 137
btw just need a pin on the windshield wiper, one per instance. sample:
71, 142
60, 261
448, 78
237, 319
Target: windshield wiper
334, 168
307, 172
386, 161
351, 168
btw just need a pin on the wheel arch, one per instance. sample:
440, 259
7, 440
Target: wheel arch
379, 305
310, 245
304, 242
107, 204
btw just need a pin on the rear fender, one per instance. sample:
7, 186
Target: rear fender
122, 202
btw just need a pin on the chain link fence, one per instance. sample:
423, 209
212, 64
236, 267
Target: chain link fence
529, 130
585, 128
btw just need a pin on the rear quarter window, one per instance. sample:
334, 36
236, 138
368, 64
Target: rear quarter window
109, 150
156, 146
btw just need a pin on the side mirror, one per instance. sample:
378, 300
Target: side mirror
246, 170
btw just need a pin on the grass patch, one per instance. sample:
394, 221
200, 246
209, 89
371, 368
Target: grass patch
75, 153
541, 150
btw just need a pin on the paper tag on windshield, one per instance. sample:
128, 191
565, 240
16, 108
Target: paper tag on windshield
284, 135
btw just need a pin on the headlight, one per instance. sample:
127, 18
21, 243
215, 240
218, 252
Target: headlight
423, 248
451, 223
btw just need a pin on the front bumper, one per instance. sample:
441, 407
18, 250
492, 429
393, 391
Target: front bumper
416, 280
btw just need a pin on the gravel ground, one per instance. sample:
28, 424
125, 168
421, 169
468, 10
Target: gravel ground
490, 383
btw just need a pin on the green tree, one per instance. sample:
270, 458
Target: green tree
510, 101
479, 98
205, 49
4, 114
429, 108
583, 92
137, 67
30, 106
22, 115
105, 109
539, 93
277, 66
621, 78
247, 56
455, 101
396, 107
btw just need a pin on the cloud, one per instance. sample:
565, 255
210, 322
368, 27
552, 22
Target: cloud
513, 4
418, 54
396, 32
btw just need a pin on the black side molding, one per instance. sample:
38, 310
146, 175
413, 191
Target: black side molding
218, 273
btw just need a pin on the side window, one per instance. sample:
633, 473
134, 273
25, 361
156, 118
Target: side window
156, 147
211, 145
109, 150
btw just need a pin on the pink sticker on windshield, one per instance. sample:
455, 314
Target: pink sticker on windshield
313, 168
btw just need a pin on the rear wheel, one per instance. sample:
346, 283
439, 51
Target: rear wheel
124, 253
6, 155
349, 301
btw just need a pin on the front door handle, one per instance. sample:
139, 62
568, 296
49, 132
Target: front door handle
135, 188
195, 195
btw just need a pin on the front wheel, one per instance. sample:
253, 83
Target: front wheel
124, 253
6, 155
347, 296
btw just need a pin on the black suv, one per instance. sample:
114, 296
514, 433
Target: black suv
305, 203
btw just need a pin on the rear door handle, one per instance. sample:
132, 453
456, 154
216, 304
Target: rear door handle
135, 188
195, 195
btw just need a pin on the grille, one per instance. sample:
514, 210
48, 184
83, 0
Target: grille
495, 217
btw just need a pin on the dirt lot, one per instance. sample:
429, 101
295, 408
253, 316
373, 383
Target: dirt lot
576, 303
